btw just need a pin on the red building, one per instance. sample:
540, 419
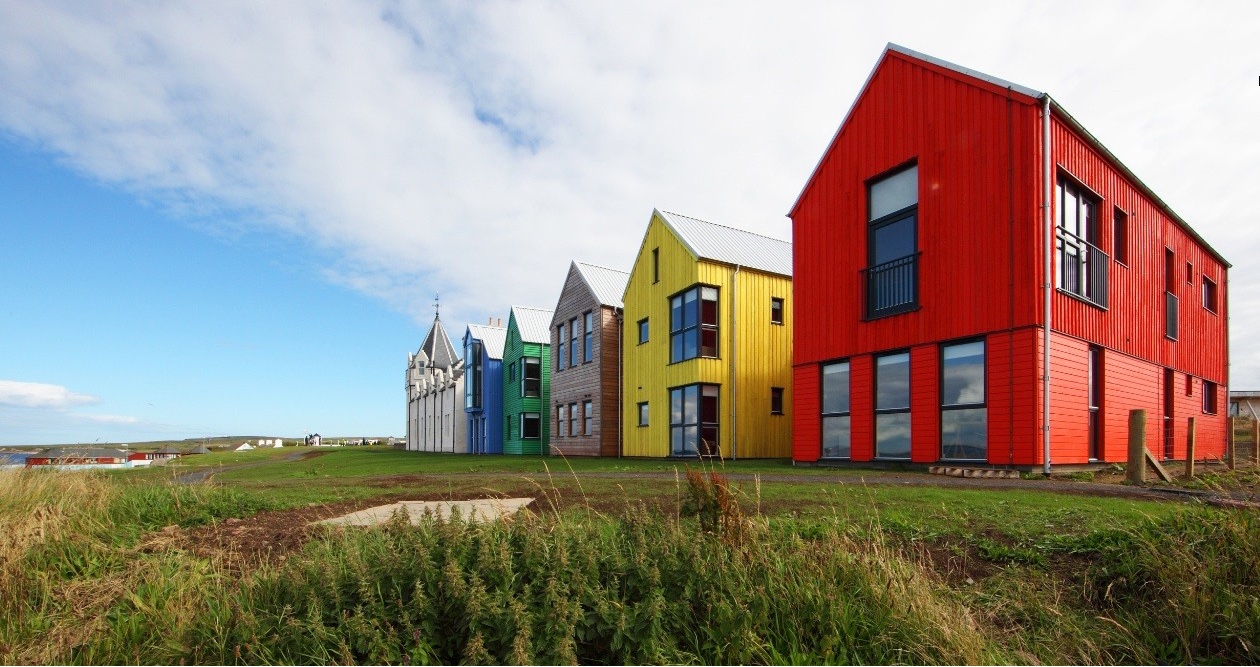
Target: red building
921, 247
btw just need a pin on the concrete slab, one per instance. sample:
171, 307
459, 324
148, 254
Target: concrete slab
488, 509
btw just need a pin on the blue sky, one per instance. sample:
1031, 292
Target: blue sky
231, 217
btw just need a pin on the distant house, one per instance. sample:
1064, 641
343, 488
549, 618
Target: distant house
78, 458
1244, 404
313, 440
526, 391
199, 449
435, 395
585, 375
245, 446
139, 459
483, 387
167, 452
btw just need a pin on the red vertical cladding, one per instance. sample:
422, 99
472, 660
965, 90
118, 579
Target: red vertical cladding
862, 407
806, 411
1130, 384
925, 404
1011, 394
1069, 400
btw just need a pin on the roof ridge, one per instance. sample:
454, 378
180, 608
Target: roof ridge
734, 229
606, 268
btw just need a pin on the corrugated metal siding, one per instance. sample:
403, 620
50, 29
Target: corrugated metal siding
1130, 384
764, 351
720, 243
1069, 400
1134, 324
533, 324
608, 285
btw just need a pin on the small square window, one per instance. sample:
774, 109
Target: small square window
643, 331
1209, 294
776, 400
776, 310
643, 414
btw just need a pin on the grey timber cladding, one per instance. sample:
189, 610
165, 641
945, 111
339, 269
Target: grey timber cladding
606, 284
730, 246
534, 324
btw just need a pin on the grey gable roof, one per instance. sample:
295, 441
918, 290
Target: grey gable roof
608, 285
534, 324
729, 245
437, 346
493, 338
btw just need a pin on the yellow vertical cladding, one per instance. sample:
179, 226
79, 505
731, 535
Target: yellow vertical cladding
763, 351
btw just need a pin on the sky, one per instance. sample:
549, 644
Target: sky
232, 218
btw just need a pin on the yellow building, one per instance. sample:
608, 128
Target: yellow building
707, 343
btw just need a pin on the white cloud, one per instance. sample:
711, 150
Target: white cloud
40, 395
473, 149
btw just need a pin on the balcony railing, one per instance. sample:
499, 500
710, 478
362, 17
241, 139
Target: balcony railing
1082, 268
1170, 315
892, 287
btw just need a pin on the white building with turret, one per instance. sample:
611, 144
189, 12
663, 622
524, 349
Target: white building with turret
435, 395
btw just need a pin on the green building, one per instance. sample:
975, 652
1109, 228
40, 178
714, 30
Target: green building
527, 382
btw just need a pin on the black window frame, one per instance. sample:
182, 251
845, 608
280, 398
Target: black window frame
701, 427
845, 414
1120, 236
644, 330
895, 410
680, 330
1210, 398
897, 279
656, 265
531, 383
561, 340
776, 400
776, 310
970, 406
475, 379
1211, 295
573, 342
1081, 266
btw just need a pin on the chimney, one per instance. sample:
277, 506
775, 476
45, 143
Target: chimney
490, 321
500, 322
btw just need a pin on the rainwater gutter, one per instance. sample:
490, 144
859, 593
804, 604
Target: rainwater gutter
1048, 251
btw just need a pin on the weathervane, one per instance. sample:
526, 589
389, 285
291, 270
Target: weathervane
436, 307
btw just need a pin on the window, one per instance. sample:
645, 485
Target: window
1209, 294
573, 418
643, 414
964, 417
531, 377
776, 400
693, 420
1171, 312
1082, 266
588, 330
1096, 376
892, 406
588, 418
693, 324
560, 357
472, 384
643, 331
531, 428
1189, 385
573, 340
1120, 237
656, 265
1190, 273
1209, 397
512, 372
891, 244
562, 418
776, 310
835, 410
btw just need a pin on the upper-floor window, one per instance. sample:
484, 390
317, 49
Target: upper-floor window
656, 265
472, 384
892, 273
693, 324
573, 342
512, 372
776, 310
531, 377
588, 331
1209, 294
1082, 265
643, 331
560, 358
1120, 237
643, 414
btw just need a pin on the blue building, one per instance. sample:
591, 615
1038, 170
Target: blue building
483, 387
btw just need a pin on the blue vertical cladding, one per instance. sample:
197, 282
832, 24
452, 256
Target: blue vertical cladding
485, 424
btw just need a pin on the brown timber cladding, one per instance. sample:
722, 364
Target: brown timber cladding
595, 381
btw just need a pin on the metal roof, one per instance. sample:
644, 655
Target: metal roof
534, 324
729, 245
493, 338
608, 285
169, 449
81, 453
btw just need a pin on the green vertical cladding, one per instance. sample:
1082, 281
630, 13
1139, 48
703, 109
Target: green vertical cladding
515, 405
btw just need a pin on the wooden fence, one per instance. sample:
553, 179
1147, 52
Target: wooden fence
1244, 442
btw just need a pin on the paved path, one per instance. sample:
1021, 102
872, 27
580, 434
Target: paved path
485, 510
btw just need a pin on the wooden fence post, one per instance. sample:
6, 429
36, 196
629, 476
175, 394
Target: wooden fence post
1190, 450
1231, 443
1255, 441
1137, 447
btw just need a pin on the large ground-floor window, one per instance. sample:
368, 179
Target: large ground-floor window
693, 420
964, 415
835, 411
892, 406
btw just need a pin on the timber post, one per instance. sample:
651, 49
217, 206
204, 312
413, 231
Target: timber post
1190, 450
1231, 442
1137, 447
1255, 441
